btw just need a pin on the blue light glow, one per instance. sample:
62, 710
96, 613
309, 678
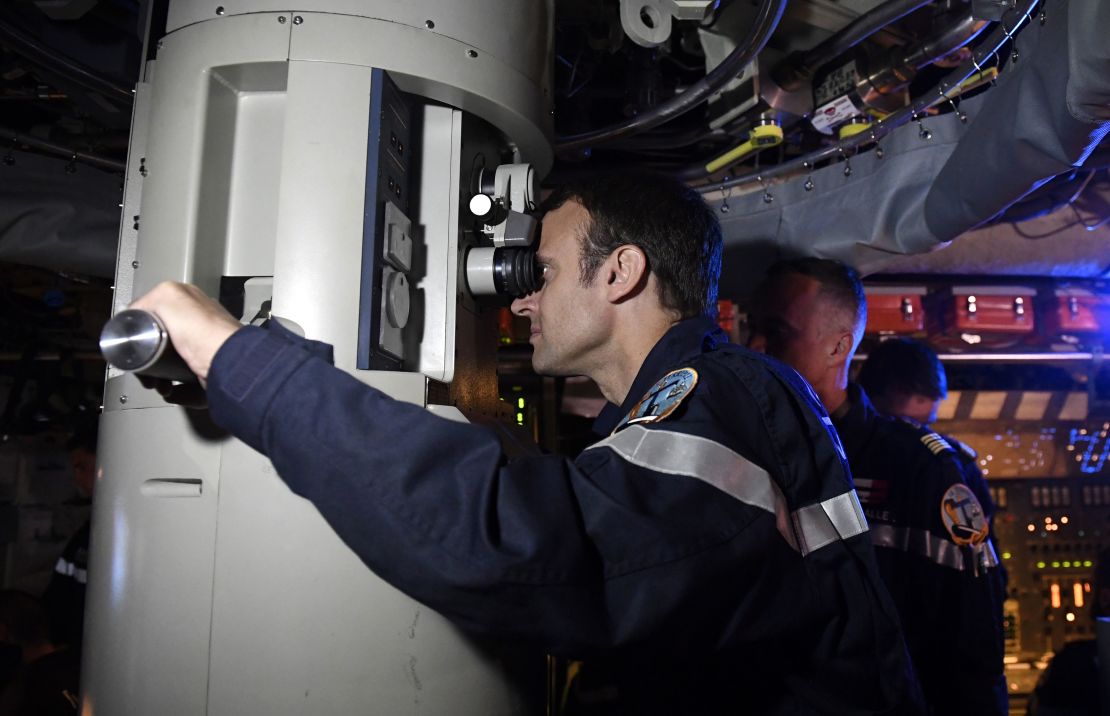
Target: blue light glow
1092, 447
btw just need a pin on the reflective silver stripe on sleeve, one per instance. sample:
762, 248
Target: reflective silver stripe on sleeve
836, 518
672, 453
69, 569
987, 556
920, 542
941, 551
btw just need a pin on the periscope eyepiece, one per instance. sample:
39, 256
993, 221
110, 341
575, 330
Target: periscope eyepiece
506, 271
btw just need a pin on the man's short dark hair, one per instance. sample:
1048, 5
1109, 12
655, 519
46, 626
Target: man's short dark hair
668, 220
899, 368
839, 282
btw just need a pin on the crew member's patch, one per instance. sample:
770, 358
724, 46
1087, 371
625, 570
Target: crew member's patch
936, 443
963, 515
663, 397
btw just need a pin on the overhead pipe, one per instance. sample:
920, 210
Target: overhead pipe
798, 70
767, 20
33, 50
10, 135
1077, 357
905, 62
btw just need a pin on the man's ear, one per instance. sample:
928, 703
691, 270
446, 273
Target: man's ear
842, 350
625, 272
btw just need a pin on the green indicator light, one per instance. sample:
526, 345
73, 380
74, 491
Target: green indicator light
520, 417
1055, 565
1088, 563
1067, 564
518, 389
1040, 565
1006, 555
520, 403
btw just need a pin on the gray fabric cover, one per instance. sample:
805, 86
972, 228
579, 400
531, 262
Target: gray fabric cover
57, 220
1025, 132
1045, 116
1088, 92
862, 219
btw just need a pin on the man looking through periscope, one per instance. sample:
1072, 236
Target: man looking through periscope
712, 545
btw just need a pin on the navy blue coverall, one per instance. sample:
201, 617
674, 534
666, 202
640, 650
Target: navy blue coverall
934, 552
722, 547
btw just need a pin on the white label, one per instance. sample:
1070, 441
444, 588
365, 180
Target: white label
829, 115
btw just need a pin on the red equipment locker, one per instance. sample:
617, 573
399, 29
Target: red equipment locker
895, 310
990, 309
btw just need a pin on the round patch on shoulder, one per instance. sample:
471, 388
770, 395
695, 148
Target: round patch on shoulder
663, 397
963, 516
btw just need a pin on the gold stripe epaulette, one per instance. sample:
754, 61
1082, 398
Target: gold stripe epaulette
936, 443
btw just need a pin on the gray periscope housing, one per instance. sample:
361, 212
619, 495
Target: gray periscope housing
1047, 115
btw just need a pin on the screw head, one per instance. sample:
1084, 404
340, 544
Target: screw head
808, 186
220, 10
135, 264
725, 208
429, 24
472, 54
122, 399
281, 19
879, 152
297, 19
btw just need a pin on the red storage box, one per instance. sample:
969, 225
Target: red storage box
1076, 310
991, 309
895, 310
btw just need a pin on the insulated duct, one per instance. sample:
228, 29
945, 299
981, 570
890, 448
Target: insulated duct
942, 177
1027, 131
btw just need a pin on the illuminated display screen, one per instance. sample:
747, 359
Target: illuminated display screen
1017, 452
1038, 452
1089, 448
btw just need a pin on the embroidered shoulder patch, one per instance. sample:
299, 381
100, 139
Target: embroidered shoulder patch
963, 516
936, 443
663, 397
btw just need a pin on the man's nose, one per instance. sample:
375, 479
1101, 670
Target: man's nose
524, 305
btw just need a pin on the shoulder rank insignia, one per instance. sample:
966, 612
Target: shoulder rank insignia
663, 397
936, 443
963, 447
963, 515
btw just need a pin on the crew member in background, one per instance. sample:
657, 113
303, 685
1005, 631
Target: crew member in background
905, 378
711, 546
65, 593
929, 529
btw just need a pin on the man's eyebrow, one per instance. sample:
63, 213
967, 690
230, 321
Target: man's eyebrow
543, 259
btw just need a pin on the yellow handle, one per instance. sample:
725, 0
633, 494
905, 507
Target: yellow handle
761, 137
